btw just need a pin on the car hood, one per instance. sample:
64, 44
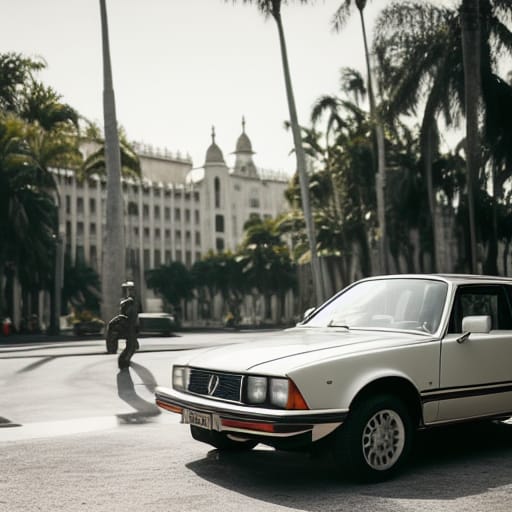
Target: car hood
284, 346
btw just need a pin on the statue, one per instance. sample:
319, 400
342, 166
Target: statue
124, 325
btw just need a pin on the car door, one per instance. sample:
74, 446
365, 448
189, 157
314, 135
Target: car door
476, 370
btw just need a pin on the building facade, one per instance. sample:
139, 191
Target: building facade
177, 212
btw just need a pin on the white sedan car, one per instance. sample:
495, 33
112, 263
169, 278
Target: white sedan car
381, 359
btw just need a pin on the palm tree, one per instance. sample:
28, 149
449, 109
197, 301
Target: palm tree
48, 130
350, 169
272, 8
95, 163
265, 263
340, 18
53, 139
471, 41
404, 35
420, 51
27, 211
114, 249
15, 72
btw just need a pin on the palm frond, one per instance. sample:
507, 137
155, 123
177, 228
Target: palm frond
341, 16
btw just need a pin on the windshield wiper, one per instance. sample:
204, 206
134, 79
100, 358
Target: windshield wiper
333, 323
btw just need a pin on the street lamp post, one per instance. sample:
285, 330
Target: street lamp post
58, 279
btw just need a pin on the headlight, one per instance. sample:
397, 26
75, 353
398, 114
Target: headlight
279, 392
256, 390
180, 375
274, 391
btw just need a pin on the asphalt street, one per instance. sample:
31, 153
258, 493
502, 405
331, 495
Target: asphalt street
77, 434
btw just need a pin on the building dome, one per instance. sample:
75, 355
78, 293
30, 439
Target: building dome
243, 144
213, 153
244, 165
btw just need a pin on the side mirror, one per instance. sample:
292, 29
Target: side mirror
476, 324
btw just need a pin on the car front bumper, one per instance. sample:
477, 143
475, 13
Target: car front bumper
253, 421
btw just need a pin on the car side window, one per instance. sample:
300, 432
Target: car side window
481, 300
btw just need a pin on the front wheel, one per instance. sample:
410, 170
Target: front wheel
376, 439
220, 440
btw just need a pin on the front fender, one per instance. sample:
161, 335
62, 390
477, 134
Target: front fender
337, 381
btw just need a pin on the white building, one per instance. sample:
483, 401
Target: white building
176, 213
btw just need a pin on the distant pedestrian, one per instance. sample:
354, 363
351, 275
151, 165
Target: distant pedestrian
229, 321
124, 325
129, 308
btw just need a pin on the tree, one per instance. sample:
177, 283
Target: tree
46, 139
265, 263
471, 41
348, 164
339, 20
81, 286
53, 139
413, 31
95, 163
27, 211
173, 282
15, 72
113, 267
420, 56
272, 8
205, 275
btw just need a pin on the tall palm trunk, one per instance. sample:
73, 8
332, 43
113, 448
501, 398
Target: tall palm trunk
113, 247
470, 27
381, 155
429, 144
301, 162
427, 165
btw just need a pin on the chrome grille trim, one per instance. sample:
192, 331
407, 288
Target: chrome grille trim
223, 386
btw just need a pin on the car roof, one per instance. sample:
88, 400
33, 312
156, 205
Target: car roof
451, 278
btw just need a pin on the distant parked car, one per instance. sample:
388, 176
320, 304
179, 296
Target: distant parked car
360, 375
157, 323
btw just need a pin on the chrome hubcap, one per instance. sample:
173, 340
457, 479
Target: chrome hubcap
383, 439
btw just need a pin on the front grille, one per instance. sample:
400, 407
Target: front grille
225, 386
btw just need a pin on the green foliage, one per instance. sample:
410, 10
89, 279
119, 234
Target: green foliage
37, 132
219, 273
420, 53
81, 287
95, 162
27, 210
16, 72
265, 260
261, 265
173, 282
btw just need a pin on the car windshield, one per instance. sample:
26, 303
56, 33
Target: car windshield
400, 303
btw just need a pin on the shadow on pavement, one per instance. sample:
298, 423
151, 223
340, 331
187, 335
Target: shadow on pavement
145, 411
449, 463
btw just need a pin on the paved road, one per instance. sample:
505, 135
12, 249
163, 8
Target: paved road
77, 380
91, 439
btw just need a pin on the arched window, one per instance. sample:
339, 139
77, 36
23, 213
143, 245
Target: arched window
216, 185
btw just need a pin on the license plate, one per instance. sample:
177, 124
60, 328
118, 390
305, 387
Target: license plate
198, 419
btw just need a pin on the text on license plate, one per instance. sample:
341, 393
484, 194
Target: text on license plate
199, 419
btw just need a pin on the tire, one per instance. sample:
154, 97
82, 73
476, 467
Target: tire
112, 345
220, 441
376, 440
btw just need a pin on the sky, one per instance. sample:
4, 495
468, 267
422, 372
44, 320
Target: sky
183, 66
